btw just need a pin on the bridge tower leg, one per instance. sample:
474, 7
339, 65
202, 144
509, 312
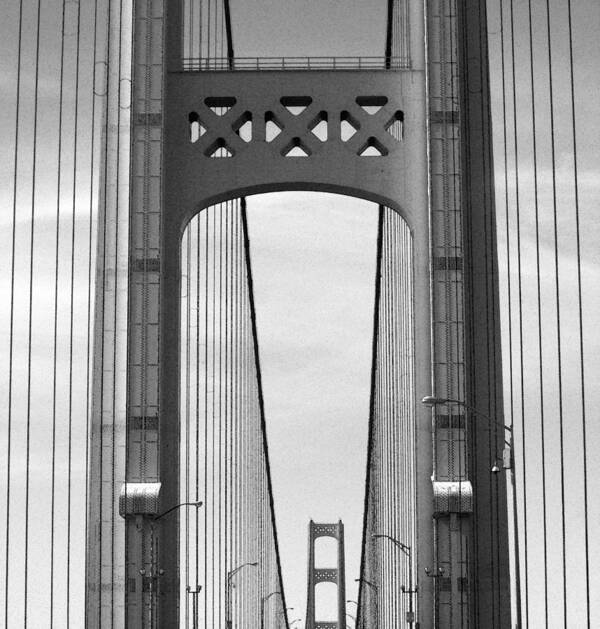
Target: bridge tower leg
335, 575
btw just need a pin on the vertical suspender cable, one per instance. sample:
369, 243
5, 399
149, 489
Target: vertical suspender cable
520, 308
220, 415
508, 227
120, 106
580, 314
30, 319
198, 266
214, 419
61, 105
102, 306
237, 427
71, 314
558, 317
90, 276
539, 310
206, 318
383, 483
393, 413
187, 251
229, 278
90, 235
394, 416
12, 318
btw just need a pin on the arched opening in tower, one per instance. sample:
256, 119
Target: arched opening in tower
326, 602
313, 274
326, 552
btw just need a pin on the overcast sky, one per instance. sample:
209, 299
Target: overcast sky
314, 262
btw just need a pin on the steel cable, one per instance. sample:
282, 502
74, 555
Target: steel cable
361, 614
26, 557
539, 306
57, 243
558, 309
520, 307
75, 147
89, 324
580, 314
9, 423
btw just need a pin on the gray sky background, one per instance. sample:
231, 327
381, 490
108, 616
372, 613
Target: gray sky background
314, 262
313, 259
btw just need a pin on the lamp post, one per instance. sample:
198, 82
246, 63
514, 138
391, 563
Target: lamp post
410, 616
154, 572
508, 463
356, 603
369, 583
230, 575
284, 612
432, 401
263, 600
194, 594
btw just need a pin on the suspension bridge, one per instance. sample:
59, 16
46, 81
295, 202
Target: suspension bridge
137, 485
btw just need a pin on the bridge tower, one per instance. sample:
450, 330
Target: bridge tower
409, 132
335, 575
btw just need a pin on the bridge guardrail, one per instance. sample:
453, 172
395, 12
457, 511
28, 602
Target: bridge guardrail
225, 64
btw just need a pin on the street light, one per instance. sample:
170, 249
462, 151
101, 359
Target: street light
194, 594
410, 616
263, 600
356, 603
295, 621
431, 401
284, 614
154, 573
373, 585
508, 463
196, 504
230, 576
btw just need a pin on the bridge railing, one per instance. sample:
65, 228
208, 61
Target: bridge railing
225, 64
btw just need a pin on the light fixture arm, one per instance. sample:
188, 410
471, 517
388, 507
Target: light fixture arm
230, 575
407, 550
431, 401
196, 504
